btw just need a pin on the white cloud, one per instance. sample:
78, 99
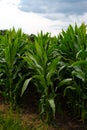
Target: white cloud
5, 2
30, 22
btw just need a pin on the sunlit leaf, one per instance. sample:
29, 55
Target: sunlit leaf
52, 105
64, 82
25, 85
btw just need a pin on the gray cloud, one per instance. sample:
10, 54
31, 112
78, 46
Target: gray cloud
54, 6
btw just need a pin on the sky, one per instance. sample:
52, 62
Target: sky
46, 15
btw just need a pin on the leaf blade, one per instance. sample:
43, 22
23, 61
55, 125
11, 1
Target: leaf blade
25, 85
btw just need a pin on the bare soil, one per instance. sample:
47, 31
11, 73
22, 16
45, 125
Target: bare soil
30, 118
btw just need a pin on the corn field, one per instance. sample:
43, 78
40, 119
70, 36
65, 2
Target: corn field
56, 66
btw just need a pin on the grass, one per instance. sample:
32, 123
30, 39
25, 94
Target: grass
8, 122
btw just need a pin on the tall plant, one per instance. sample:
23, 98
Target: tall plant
73, 49
43, 60
13, 47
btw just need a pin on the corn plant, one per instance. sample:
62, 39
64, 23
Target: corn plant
72, 41
73, 49
80, 78
43, 60
13, 46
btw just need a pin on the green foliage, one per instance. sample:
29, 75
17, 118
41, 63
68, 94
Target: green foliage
13, 46
57, 66
72, 41
43, 66
73, 49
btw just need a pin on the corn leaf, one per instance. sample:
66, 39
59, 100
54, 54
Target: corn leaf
64, 82
79, 74
25, 85
69, 88
52, 105
81, 62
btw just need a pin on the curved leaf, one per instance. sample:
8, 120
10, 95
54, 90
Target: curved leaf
25, 85
69, 87
65, 81
52, 105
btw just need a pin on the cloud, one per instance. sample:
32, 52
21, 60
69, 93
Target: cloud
5, 2
31, 22
54, 6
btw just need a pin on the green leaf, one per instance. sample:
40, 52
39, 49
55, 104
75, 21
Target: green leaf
52, 105
25, 85
81, 62
52, 68
33, 60
64, 82
84, 114
79, 74
69, 87
7, 55
38, 49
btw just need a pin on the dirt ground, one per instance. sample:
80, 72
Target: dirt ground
30, 117
62, 122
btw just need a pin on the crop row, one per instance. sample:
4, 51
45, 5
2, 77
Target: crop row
56, 66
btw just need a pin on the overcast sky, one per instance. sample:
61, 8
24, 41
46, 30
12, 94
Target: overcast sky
54, 6
47, 15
